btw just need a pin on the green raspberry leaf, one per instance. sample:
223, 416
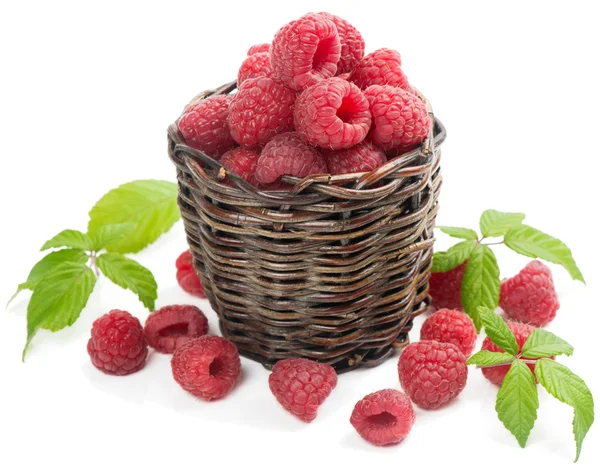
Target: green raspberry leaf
453, 257
130, 275
150, 204
533, 243
498, 332
459, 232
487, 358
69, 238
111, 233
59, 298
542, 343
495, 223
47, 263
569, 388
517, 401
481, 283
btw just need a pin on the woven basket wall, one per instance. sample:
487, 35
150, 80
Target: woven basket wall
334, 270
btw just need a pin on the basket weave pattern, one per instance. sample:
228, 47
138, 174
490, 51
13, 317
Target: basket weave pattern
333, 270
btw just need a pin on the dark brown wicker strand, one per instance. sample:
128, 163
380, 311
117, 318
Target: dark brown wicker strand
334, 270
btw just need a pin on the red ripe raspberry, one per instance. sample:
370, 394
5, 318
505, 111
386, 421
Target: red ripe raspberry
207, 367
172, 326
260, 109
288, 154
305, 51
361, 158
444, 288
383, 417
353, 44
204, 126
453, 327
381, 67
187, 276
118, 345
243, 162
334, 113
530, 296
301, 386
400, 119
259, 48
497, 373
256, 65
432, 373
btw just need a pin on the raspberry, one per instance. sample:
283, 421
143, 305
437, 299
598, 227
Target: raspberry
243, 162
259, 48
530, 296
256, 65
260, 109
353, 44
288, 154
497, 373
334, 113
187, 276
381, 67
207, 367
306, 51
383, 417
361, 158
204, 126
453, 327
171, 326
400, 119
444, 288
301, 386
432, 373
118, 345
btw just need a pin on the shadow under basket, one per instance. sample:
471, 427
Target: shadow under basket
333, 270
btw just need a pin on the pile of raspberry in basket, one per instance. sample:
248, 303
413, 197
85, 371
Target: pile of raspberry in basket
310, 102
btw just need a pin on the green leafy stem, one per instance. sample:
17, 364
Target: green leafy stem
481, 281
125, 220
517, 401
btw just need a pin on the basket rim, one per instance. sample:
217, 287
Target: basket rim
398, 167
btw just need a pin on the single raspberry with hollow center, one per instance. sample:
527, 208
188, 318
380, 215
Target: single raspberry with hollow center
187, 276
305, 51
450, 326
118, 345
243, 162
381, 67
256, 65
172, 326
352, 42
204, 126
444, 288
207, 367
288, 154
432, 373
261, 109
334, 114
301, 386
363, 157
530, 296
496, 374
264, 47
400, 119
384, 417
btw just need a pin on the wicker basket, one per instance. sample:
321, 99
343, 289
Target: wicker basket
334, 270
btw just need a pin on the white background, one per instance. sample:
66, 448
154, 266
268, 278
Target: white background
87, 92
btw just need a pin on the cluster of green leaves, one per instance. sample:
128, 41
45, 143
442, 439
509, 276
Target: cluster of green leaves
125, 220
517, 400
481, 281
